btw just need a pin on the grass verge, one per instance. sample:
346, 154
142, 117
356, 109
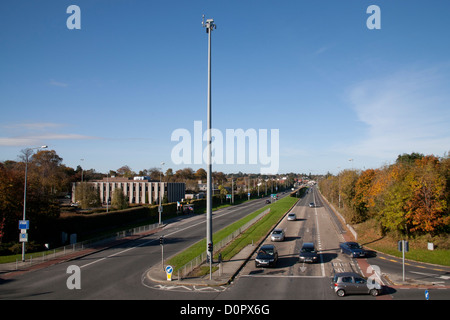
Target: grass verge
252, 234
370, 236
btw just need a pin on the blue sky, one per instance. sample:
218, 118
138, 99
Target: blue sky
113, 92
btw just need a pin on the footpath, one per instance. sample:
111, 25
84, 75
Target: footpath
8, 270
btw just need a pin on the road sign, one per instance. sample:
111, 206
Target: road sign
24, 224
403, 245
427, 295
169, 270
23, 237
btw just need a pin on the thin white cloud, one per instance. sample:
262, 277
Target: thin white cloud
26, 134
58, 84
34, 126
404, 112
16, 142
41, 139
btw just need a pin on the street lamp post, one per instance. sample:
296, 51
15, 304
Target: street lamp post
210, 26
160, 194
27, 154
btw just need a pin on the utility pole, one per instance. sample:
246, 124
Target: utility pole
210, 26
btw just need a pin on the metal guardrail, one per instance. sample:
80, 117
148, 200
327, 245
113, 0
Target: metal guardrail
194, 263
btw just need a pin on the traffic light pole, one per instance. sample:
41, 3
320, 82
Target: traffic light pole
161, 242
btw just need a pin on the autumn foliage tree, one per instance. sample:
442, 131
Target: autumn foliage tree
426, 209
410, 196
46, 179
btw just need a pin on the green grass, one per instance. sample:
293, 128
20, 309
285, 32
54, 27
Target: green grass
369, 235
253, 234
439, 257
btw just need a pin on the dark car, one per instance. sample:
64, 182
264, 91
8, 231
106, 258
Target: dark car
308, 253
353, 249
352, 283
268, 201
267, 256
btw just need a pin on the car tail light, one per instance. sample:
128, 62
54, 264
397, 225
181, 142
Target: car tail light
335, 284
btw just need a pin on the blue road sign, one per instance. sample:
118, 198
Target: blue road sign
169, 270
427, 295
24, 224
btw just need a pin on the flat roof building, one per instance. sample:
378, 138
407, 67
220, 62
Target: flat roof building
141, 190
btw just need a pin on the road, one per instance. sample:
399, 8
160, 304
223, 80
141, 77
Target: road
292, 280
117, 273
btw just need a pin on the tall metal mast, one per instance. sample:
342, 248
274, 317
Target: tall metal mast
210, 26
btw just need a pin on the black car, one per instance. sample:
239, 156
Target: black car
353, 249
267, 256
308, 253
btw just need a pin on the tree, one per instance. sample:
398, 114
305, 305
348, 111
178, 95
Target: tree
200, 174
409, 158
11, 199
155, 174
119, 200
169, 174
362, 191
426, 210
47, 167
126, 172
347, 184
87, 195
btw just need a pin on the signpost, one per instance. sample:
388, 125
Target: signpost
24, 225
403, 246
169, 271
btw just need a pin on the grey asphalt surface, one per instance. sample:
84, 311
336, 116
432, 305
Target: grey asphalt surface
132, 269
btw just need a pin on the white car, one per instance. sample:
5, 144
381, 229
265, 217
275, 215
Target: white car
292, 217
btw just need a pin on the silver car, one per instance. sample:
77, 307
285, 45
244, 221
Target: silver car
292, 216
277, 235
350, 282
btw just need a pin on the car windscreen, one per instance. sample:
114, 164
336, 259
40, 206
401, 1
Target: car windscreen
266, 252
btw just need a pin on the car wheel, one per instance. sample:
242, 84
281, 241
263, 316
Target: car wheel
340, 293
374, 292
